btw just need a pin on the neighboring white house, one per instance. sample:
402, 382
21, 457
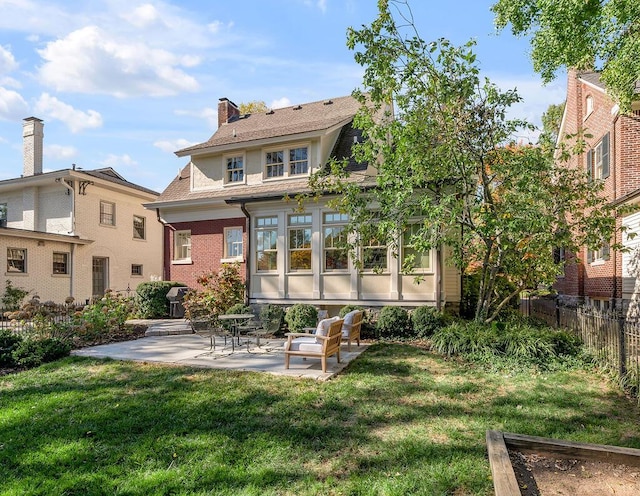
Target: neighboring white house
75, 232
230, 203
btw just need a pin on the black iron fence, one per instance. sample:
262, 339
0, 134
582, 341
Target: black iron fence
614, 340
44, 313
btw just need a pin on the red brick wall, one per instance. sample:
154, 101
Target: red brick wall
601, 280
207, 249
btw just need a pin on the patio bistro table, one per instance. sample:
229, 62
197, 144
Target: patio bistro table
236, 319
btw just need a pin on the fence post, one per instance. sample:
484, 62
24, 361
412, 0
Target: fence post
623, 348
557, 315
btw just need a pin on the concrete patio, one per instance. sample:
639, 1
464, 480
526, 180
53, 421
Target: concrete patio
171, 342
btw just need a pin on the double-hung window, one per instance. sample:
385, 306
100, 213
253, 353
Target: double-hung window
274, 161
107, 213
267, 243
300, 242
17, 260
234, 170
599, 254
374, 254
233, 242
336, 254
182, 246
598, 159
286, 162
298, 161
413, 256
60, 263
139, 227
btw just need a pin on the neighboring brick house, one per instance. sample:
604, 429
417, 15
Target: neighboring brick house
232, 203
612, 156
75, 232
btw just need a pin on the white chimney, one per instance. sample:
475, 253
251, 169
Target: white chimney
32, 138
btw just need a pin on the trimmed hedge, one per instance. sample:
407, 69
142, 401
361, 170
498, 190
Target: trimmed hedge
152, 300
301, 315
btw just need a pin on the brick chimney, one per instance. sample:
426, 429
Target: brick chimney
32, 138
227, 110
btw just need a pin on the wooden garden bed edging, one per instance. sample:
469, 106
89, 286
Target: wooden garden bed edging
504, 479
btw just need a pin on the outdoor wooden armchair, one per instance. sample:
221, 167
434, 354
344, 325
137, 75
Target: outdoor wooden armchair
314, 345
351, 327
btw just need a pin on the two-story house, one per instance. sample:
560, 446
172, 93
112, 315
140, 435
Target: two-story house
75, 232
603, 277
232, 202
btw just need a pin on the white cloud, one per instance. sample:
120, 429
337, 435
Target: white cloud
7, 61
143, 16
59, 152
90, 60
209, 114
76, 120
115, 161
174, 145
280, 103
12, 105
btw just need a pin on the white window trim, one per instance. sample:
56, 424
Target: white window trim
226, 257
589, 106
271, 227
178, 261
290, 250
331, 224
225, 180
285, 149
431, 255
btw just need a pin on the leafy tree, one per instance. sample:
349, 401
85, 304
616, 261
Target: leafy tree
585, 34
551, 121
253, 107
444, 151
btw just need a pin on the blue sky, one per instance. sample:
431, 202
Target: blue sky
125, 83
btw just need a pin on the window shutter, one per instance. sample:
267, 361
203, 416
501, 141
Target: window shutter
590, 165
605, 156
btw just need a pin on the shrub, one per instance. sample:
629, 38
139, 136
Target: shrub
151, 300
513, 345
301, 315
34, 352
426, 320
348, 308
108, 313
393, 323
270, 312
220, 291
239, 308
9, 341
13, 296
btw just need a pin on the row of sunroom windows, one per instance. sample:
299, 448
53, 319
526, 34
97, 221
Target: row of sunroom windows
299, 245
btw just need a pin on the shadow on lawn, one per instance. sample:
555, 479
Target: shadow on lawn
134, 428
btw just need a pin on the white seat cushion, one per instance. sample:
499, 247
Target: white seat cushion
305, 344
324, 324
348, 319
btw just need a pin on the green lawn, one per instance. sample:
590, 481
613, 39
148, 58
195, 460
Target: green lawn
400, 421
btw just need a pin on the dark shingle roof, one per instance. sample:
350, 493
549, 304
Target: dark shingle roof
108, 174
308, 117
592, 77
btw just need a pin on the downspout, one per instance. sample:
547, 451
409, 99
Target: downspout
439, 279
247, 277
612, 162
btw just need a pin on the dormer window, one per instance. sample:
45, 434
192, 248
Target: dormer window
234, 170
298, 162
286, 162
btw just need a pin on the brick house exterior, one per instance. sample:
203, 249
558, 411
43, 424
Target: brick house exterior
612, 155
75, 232
232, 203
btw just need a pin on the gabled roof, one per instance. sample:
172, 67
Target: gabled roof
179, 191
593, 78
106, 174
283, 122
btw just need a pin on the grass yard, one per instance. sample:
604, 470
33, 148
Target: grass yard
400, 421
